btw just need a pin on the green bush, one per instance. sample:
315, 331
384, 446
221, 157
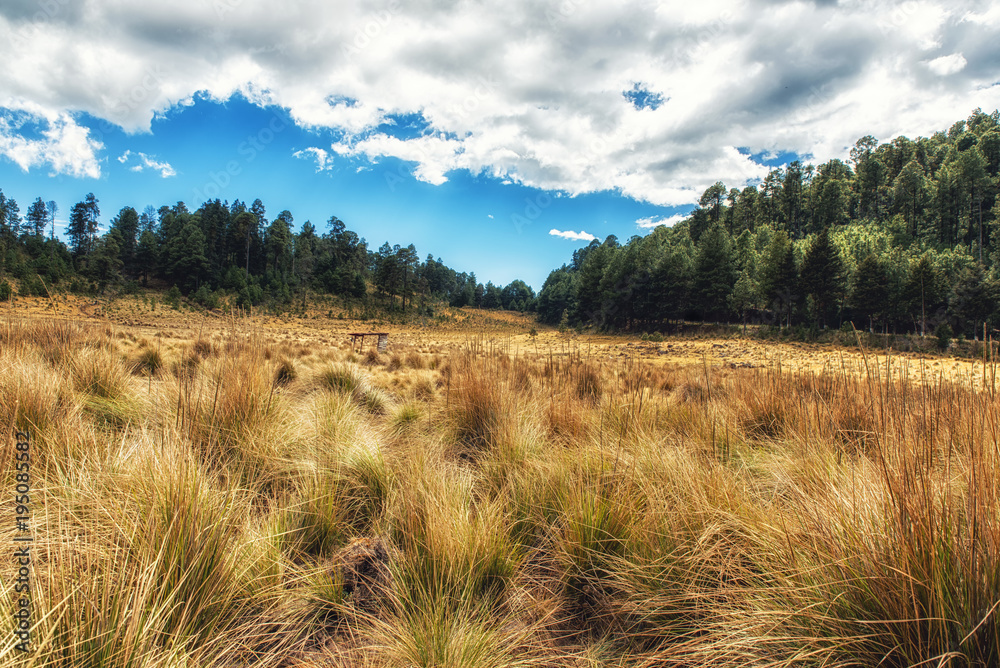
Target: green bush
32, 286
206, 298
173, 298
943, 334
5, 291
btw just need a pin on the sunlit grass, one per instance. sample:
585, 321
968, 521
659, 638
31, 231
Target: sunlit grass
231, 500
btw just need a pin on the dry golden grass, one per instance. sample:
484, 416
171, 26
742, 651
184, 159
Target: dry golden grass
228, 496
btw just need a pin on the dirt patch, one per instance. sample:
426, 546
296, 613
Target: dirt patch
363, 567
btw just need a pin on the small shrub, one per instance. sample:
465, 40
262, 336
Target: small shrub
173, 298
943, 334
206, 298
5, 291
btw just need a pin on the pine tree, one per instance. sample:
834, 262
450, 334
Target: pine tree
973, 299
870, 295
76, 230
37, 216
126, 224
823, 275
778, 277
922, 291
715, 273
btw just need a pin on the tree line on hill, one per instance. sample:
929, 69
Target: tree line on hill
905, 236
228, 249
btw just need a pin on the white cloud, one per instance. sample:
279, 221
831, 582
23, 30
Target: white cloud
526, 92
946, 65
575, 236
656, 221
321, 157
58, 141
144, 162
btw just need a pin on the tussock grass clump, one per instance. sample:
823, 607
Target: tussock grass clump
482, 412
375, 400
186, 368
764, 414
99, 372
228, 408
148, 361
448, 553
285, 372
588, 384
344, 377
202, 347
337, 501
424, 386
405, 418
33, 395
348, 379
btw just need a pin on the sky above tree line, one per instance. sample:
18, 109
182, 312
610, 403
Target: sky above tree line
498, 136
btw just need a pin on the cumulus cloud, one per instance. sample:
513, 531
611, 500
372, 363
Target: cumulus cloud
33, 137
575, 236
946, 65
656, 101
144, 161
656, 221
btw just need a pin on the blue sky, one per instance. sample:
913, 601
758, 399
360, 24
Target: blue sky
238, 150
497, 136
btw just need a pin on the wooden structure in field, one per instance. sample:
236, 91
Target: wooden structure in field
381, 337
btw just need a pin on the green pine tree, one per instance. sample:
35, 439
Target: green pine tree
823, 276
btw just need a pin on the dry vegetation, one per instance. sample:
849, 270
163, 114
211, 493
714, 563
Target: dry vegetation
234, 498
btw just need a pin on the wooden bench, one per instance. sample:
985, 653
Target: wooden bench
382, 340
